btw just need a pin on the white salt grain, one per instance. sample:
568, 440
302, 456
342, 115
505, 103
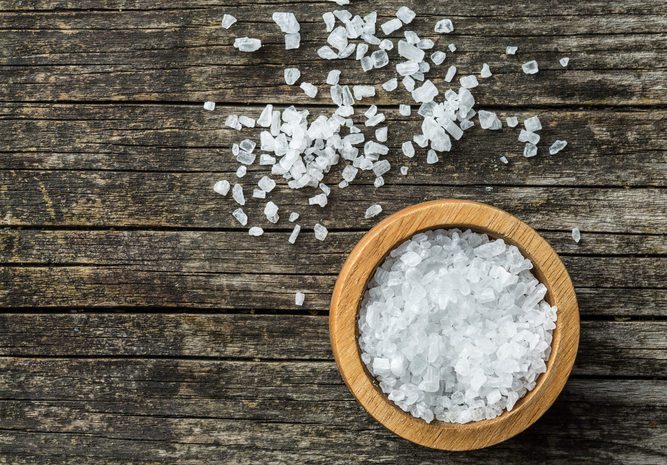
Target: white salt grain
486, 71
532, 124
333, 77
320, 232
309, 89
292, 41
299, 298
247, 44
527, 136
404, 110
511, 50
381, 134
444, 26
391, 26
489, 120
286, 21
292, 75
529, 150
469, 82
564, 61
405, 14
451, 72
512, 121
530, 67
240, 216
504, 159
237, 194
266, 184
255, 231
293, 217
294, 234
222, 187
438, 57
576, 235
227, 21
372, 211
210, 106
451, 48
431, 157
557, 146
329, 20
241, 171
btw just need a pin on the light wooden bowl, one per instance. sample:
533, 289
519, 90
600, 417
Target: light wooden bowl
359, 268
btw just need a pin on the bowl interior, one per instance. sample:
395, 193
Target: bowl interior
370, 253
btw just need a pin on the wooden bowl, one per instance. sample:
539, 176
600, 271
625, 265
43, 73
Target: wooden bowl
351, 286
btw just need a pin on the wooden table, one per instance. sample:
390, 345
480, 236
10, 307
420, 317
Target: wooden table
140, 323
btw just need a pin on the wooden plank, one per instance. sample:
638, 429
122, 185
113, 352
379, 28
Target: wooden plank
184, 55
115, 411
602, 151
100, 198
286, 337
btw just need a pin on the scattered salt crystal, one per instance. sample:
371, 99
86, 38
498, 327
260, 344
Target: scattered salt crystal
390, 85
361, 92
381, 134
532, 124
237, 194
309, 89
232, 121
404, 170
258, 193
408, 83
271, 211
255, 231
527, 136
222, 187
373, 210
391, 26
292, 75
425, 93
410, 52
361, 51
266, 184
426, 44
292, 41
469, 82
293, 217
329, 20
564, 61
489, 120
375, 120
386, 44
380, 59
246, 121
349, 173
529, 150
512, 121
557, 146
264, 119
294, 234
431, 157
438, 57
227, 21
379, 182
511, 50
451, 72
530, 67
366, 64
408, 149
241, 171
210, 106
333, 77
404, 110
407, 68
504, 159
320, 232
247, 44
381, 167
240, 216
444, 26
576, 235
299, 298
319, 199
405, 14
451, 48
286, 22
327, 53
486, 71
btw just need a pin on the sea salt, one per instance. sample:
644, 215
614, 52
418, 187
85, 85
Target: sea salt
286, 21
294, 234
247, 44
309, 89
454, 326
227, 21
530, 67
486, 71
451, 47
511, 50
444, 26
390, 85
576, 235
320, 232
255, 231
451, 72
438, 57
431, 157
529, 150
241, 171
527, 136
557, 146
237, 194
391, 26
240, 216
210, 106
292, 41
266, 184
333, 77
292, 75
373, 210
222, 187
512, 121
293, 217
532, 124
404, 110
504, 160
564, 61
405, 14
299, 298
469, 82
404, 170
489, 120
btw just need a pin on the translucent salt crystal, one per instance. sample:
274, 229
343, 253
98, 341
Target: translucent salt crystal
338, 38
381, 134
467, 124
366, 64
453, 129
408, 83
294, 234
410, 52
405, 14
532, 124
489, 120
266, 184
240, 216
210, 106
530, 67
469, 82
444, 26
504, 160
292, 41
512, 121
343, 184
247, 121
386, 44
527, 136
486, 71
431, 157
425, 93
232, 121
327, 53
309, 89
390, 85
564, 61
241, 171
425, 44
349, 173
299, 298
221, 187
404, 170
373, 210
333, 77
270, 209
421, 140
293, 217
255, 231
329, 20
375, 120
529, 150
319, 199
557, 146
292, 75
451, 72
379, 182
247, 44
407, 68
343, 15
320, 232
576, 235
237, 194
381, 167
391, 26
511, 50
258, 194
438, 57
404, 110
246, 158
287, 22
227, 21
451, 48
380, 59
361, 92
361, 51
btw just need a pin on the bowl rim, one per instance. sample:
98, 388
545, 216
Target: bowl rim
350, 287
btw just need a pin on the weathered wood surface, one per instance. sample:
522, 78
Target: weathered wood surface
140, 324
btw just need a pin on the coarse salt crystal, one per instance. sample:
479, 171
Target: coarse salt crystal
486, 71
255, 231
564, 61
530, 67
222, 187
294, 234
240, 216
210, 106
299, 298
557, 146
292, 75
576, 235
247, 44
444, 26
309, 89
227, 21
320, 232
372, 211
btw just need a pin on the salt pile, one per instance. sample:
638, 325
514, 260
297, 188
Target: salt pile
454, 326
